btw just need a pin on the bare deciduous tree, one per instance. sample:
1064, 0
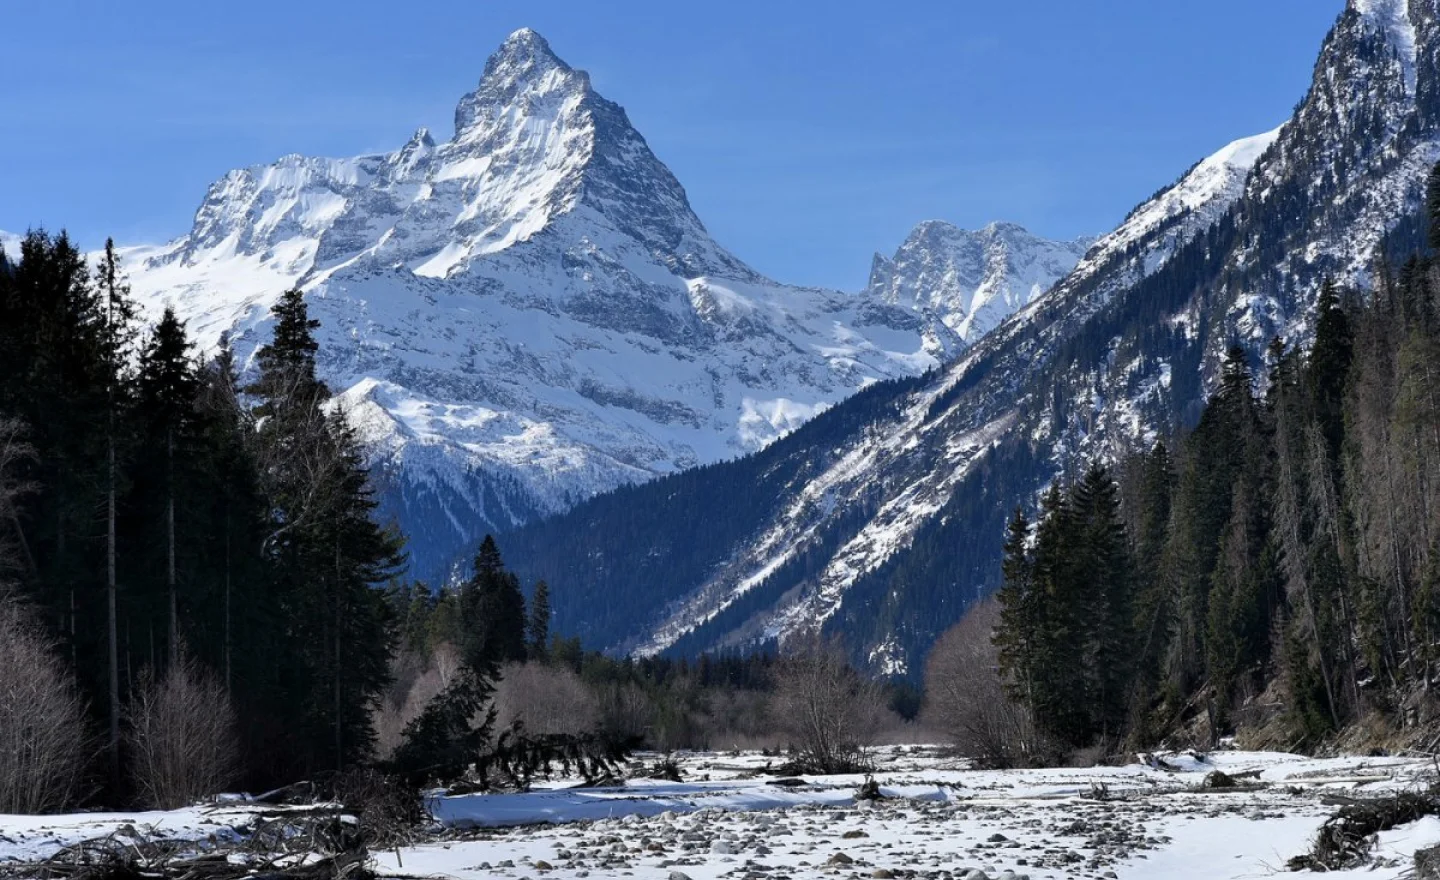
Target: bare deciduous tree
829, 712
44, 746
545, 699
965, 697
181, 737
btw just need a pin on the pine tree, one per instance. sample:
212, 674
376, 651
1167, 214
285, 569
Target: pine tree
236, 589
1058, 658
1329, 367
1151, 523
1103, 554
1432, 208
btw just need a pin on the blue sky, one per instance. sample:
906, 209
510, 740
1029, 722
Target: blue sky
808, 134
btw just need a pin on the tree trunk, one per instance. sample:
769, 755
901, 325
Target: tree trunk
227, 601
170, 540
339, 729
110, 590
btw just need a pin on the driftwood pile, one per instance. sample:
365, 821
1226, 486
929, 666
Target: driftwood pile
316, 844
1346, 838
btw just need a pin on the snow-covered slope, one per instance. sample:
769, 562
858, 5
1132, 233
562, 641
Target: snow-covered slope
530, 312
883, 518
974, 280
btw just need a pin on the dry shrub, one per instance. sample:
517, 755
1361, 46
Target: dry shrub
545, 700
965, 698
829, 712
181, 737
44, 747
738, 720
626, 711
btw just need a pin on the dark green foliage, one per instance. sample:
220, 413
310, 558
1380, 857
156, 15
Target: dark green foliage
1066, 634
492, 611
537, 629
325, 548
1289, 542
450, 735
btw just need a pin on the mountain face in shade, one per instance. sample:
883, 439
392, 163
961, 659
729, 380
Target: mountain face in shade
883, 518
528, 313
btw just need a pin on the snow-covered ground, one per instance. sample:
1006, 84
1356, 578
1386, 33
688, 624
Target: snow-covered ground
938, 820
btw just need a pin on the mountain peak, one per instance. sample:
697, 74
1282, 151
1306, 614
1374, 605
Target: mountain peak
522, 70
526, 46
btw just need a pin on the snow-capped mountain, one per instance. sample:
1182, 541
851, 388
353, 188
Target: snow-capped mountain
883, 518
529, 312
974, 280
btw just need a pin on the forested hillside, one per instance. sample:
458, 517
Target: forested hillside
1274, 571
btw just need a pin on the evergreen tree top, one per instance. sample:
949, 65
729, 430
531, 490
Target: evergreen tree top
168, 381
487, 559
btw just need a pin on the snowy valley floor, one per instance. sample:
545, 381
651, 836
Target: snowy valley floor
937, 822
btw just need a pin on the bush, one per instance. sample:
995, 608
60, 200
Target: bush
829, 712
181, 737
44, 747
965, 698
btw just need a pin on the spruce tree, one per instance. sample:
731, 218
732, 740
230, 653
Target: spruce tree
1016, 637
538, 628
1103, 553
168, 388
116, 337
1329, 367
492, 611
324, 545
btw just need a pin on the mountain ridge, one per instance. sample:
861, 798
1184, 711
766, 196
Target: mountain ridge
890, 524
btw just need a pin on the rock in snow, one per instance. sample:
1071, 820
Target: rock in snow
531, 313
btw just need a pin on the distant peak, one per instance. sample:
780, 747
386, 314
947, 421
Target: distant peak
945, 229
1005, 227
